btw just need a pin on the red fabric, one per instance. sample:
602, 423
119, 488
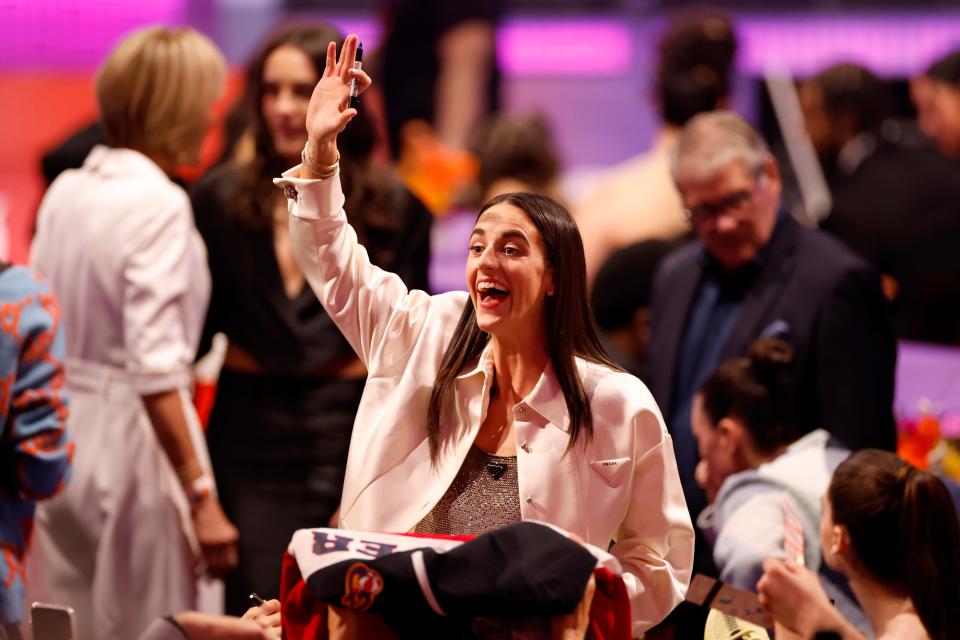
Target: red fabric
610, 609
303, 616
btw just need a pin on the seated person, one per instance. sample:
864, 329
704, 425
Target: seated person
496, 406
260, 622
892, 530
763, 477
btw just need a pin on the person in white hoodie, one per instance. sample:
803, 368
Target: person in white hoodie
763, 473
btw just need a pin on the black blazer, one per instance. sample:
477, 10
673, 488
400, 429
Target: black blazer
822, 299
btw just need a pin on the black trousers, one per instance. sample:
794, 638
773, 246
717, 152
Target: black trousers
279, 448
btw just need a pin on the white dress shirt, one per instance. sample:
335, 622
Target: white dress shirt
621, 486
117, 241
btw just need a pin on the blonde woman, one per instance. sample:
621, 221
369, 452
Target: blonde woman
116, 238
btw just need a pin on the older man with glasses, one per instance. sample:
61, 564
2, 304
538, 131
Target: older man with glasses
755, 272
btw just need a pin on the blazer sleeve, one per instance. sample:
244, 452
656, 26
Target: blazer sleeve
655, 541
856, 356
377, 314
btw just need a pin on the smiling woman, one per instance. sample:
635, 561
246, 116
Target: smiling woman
499, 405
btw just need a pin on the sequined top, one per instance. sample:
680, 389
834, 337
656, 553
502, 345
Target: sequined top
484, 496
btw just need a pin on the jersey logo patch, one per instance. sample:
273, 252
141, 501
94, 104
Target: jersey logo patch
361, 586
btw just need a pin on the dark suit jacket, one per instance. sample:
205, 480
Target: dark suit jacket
822, 299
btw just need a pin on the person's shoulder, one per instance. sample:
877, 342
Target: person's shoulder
745, 486
447, 306
681, 257
18, 283
819, 249
221, 180
607, 386
621, 190
211, 196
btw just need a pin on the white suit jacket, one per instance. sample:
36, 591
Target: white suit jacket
621, 486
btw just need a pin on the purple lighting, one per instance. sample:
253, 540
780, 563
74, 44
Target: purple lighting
890, 44
75, 33
565, 47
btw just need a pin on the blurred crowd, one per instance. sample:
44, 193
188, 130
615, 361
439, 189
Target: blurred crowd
768, 344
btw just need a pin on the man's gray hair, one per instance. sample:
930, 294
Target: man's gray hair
710, 141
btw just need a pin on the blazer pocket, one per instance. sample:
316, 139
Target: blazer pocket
613, 471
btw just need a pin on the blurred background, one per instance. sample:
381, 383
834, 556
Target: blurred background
585, 65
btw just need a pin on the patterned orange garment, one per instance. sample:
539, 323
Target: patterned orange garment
35, 450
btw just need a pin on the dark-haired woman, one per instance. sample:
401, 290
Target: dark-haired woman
496, 406
291, 384
763, 474
892, 530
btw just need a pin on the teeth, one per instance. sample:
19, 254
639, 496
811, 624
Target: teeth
486, 285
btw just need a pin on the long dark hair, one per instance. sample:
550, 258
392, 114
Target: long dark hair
903, 528
569, 324
756, 390
369, 192
258, 193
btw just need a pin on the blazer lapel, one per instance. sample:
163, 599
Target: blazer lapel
778, 264
670, 329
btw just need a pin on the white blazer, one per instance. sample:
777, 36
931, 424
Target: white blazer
621, 486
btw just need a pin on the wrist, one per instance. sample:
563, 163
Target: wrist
323, 152
198, 490
310, 167
825, 618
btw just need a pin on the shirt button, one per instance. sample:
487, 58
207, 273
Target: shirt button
529, 499
522, 411
525, 447
290, 191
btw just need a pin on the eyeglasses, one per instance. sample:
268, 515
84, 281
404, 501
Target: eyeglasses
734, 203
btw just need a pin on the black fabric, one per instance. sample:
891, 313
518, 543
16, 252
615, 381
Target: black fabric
279, 447
899, 208
71, 153
248, 302
408, 62
525, 570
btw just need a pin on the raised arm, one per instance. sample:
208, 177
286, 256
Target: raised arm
373, 308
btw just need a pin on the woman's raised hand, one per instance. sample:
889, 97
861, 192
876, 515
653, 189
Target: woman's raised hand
329, 111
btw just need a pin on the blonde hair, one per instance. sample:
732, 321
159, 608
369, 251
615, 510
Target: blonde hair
155, 91
712, 140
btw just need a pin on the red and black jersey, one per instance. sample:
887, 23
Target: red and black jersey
436, 586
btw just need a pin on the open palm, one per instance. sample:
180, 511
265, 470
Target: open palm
328, 113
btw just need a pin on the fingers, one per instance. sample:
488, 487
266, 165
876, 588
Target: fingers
363, 80
345, 117
347, 57
774, 565
267, 608
329, 68
270, 606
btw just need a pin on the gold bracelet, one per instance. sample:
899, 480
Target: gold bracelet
322, 171
189, 472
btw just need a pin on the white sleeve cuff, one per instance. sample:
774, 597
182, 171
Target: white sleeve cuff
311, 199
